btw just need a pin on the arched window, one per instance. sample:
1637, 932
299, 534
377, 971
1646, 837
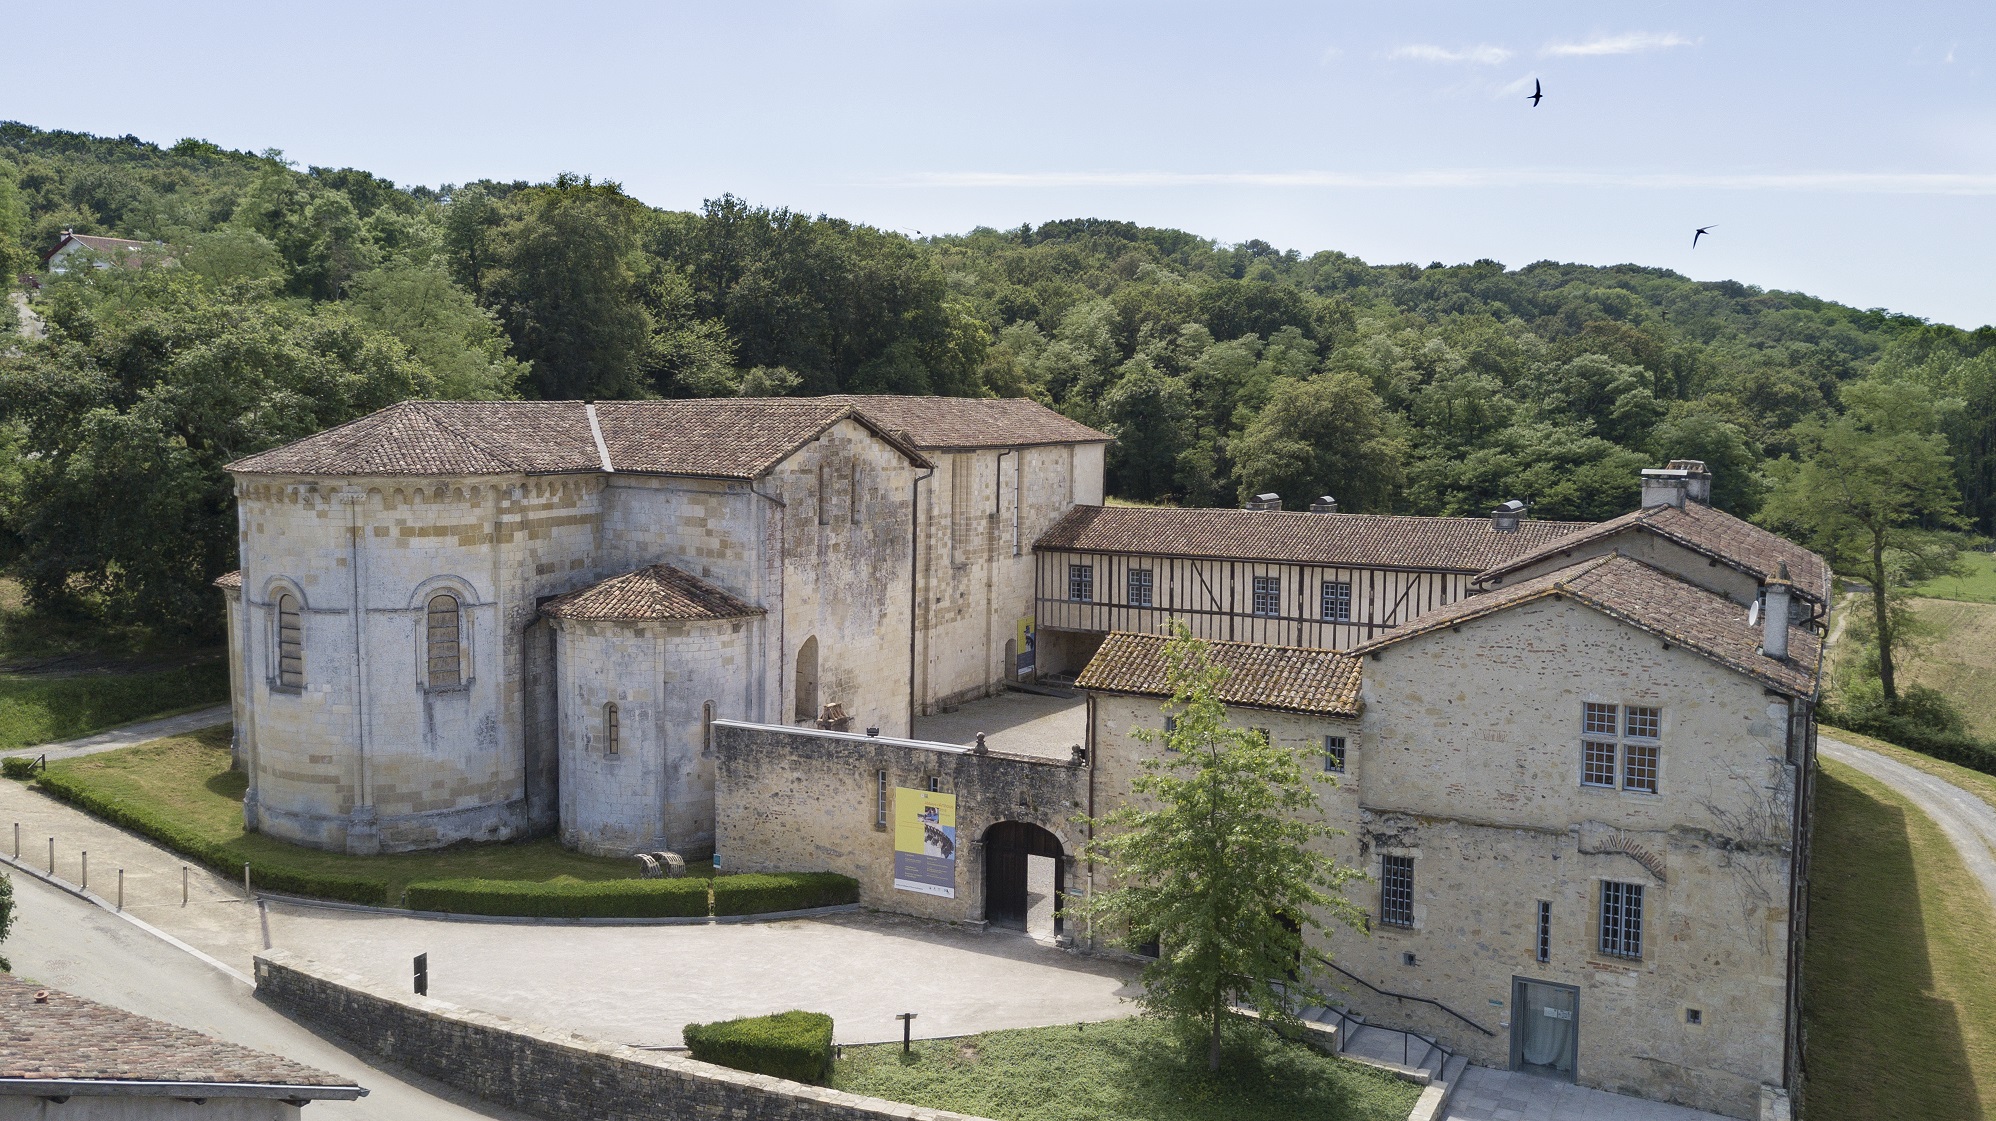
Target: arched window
612, 730
444, 645
807, 679
290, 642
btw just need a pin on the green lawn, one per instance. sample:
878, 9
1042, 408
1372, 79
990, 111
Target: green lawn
1975, 782
186, 786
42, 709
1960, 660
1899, 1003
1123, 1070
1979, 586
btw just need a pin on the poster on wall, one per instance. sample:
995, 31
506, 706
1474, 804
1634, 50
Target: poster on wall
1026, 651
925, 842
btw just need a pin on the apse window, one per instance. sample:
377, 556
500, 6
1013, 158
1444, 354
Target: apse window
290, 643
613, 731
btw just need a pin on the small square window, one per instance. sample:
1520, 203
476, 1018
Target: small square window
1598, 720
1268, 595
1597, 763
1081, 583
1140, 587
1336, 601
1643, 723
1334, 755
1639, 767
1694, 1016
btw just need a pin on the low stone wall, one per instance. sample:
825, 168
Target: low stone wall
548, 1073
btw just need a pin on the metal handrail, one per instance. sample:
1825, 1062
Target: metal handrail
1405, 996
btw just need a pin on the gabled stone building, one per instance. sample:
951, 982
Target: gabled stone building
481, 620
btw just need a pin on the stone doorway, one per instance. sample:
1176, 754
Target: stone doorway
1025, 875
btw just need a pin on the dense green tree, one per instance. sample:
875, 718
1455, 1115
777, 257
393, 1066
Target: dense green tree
1328, 434
459, 342
1217, 858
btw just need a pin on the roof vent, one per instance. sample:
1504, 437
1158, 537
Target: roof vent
1269, 501
1505, 518
1324, 504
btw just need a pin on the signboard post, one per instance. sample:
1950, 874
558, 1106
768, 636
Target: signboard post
925, 842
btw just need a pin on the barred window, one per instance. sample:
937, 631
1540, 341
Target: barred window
1337, 601
1396, 890
880, 800
1140, 585
1639, 767
1642, 723
1599, 720
1334, 755
1081, 583
1268, 595
1621, 919
444, 645
1597, 767
1544, 947
290, 643
613, 731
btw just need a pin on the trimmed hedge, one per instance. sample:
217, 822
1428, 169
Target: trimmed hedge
755, 893
793, 1045
1958, 748
145, 821
20, 767
562, 899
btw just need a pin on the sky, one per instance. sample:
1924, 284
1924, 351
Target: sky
1839, 149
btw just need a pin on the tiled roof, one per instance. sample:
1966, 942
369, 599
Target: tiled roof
67, 1037
95, 243
1356, 540
1673, 609
657, 591
1702, 529
1291, 678
228, 580
727, 437
969, 422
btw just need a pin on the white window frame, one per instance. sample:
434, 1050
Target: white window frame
1267, 592
1081, 583
1335, 608
1336, 749
1140, 586
1622, 748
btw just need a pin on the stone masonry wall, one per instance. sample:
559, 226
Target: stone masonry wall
797, 800
547, 1073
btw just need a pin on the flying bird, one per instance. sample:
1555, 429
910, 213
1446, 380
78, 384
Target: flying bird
1537, 92
1702, 231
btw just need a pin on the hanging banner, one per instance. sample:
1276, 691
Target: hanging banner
925, 842
1025, 648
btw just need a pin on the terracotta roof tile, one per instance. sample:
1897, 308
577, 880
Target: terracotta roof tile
1654, 600
230, 580
971, 422
1291, 678
1702, 529
1357, 540
657, 591
71, 1038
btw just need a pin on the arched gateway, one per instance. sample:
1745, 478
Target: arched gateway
1025, 875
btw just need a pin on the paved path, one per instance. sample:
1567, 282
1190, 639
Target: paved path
130, 734
1968, 821
1502, 1095
61, 941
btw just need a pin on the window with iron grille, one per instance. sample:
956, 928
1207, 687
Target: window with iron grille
1140, 585
1621, 919
1268, 595
1597, 763
1639, 767
880, 800
1337, 601
1545, 931
1334, 754
1081, 583
613, 730
1396, 890
290, 643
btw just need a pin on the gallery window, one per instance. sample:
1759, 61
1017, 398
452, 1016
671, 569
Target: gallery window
1621, 919
1336, 605
290, 642
443, 642
1081, 583
1268, 595
1140, 587
1334, 755
1396, 890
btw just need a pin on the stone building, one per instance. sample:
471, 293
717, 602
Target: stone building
481, 620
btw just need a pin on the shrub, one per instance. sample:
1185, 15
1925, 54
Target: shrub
147, 821
793, 1045
20, 767
756, 893
1923, 720
564, 899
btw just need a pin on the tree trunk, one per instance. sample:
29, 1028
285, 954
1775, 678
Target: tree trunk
1213, 1042
1884, 619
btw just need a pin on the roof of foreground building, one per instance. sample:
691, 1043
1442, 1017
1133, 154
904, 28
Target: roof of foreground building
1289, 678
715, 437
1297, 537
657, 591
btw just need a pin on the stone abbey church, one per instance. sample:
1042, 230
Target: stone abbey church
1575, 760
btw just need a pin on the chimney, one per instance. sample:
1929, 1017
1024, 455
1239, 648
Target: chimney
1269, 501
1774, 615
1505, 518
1325, 504
1673, 485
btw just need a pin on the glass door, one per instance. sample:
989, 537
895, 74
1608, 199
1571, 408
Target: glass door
1545, 1028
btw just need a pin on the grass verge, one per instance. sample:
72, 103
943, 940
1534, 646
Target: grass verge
1960, 660
1899, 1005
1977, 586
36, 710
1123, 1070
181, 793
1975, 782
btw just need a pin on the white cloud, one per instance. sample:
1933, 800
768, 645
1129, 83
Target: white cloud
1630, 42
1482, 53
1842, 182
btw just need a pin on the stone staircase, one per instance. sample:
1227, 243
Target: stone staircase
1412, 1056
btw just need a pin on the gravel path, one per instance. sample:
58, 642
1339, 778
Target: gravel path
130, 734
1968, 821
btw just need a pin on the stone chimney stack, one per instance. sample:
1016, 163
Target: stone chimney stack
1324, 505
1505, 518
1269, 501
1774, 615
1680, 481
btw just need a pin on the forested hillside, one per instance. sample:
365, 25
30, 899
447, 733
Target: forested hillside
281, 300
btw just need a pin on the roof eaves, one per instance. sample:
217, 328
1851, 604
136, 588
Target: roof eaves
1763, 676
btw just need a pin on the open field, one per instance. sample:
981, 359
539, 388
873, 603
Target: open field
1899, 1005
1978, 586
1123, 1070
1960, 660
